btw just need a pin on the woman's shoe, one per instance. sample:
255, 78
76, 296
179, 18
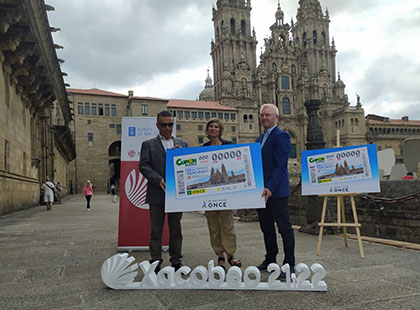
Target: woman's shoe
234, 262
221, 262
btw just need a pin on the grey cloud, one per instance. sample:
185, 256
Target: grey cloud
394, 78
116, 46
346, 60
189, 91
337, 7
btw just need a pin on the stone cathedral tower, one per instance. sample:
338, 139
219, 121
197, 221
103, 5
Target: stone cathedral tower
297, 64
234, 63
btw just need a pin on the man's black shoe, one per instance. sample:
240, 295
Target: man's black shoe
264, 265
283, 274
177, 266
157, 269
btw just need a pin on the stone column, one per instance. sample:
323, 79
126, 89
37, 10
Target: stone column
314, 137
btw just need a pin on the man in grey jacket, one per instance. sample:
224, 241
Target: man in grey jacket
153, 168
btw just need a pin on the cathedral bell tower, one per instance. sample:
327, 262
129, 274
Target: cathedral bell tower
234, 53
311, 34
234, 64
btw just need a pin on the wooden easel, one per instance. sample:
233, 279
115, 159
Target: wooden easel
341, 217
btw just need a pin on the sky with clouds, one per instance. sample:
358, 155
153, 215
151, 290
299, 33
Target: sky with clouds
161, 48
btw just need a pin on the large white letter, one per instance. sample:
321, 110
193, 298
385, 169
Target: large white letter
199, 270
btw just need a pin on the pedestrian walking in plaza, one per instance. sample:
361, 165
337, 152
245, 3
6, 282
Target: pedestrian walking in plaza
153, 167
88, 193
48, 188
220, 222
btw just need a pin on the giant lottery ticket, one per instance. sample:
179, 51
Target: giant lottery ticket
217, 177
340, 166
340, 171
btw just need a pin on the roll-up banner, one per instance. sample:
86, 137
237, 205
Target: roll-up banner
134, 220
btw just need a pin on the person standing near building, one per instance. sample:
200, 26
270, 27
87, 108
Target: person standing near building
59, 192
220, 222
48, 188
153, 167
88, 193
275, 149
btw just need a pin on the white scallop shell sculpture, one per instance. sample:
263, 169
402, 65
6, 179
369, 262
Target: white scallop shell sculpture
136, 188
117, 273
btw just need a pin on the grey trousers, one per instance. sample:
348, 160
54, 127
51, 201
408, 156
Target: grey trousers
157, 221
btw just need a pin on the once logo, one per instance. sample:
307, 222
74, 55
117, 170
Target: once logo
132, 153
339, 190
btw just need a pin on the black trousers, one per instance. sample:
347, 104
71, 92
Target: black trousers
157, 221
88, 197
277, 209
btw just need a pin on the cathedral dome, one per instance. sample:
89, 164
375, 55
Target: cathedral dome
208, 92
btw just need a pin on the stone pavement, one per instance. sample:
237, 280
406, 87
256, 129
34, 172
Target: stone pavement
52, 260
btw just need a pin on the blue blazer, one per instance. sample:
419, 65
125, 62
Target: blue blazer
275, 154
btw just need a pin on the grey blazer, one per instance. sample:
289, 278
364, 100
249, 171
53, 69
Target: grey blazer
153, 167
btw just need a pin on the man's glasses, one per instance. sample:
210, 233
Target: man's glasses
266, 115
169, 125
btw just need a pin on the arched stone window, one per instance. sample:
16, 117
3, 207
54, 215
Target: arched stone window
324, 38
356, 121
285, 83
304, 39
243, 27
115, 149
251, 118
314, 36
352, 121
285, 106
293, 69
232, 26
245, 118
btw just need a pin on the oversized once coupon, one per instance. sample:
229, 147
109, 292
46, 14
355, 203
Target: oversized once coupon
214, 178
340, 166
340, 171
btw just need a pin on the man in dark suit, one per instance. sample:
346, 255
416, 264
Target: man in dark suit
153, 166
275, 149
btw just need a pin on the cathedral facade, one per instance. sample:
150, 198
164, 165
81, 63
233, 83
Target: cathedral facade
298, 64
